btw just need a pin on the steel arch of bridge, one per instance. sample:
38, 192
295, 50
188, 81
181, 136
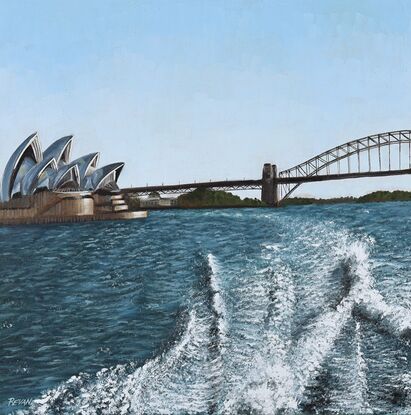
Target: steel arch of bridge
320, 165
345, 161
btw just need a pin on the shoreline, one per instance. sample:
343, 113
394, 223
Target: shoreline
374, 197
353, 202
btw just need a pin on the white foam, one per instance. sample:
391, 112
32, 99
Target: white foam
395, 318
185, 379
314, 346
361, 388
218, 303
174, 382
319, 338
266, 386
257, 365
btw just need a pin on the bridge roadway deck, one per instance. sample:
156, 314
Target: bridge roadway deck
341, 176
256, 184
187, 187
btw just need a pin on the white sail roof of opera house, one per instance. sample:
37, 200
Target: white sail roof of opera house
60, 150
68, 174
31, 180
105, 176
86, 165
30, 170
26, 155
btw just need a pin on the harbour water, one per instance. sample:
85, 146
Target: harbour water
295, 310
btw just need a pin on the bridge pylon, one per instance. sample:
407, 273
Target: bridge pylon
269, 187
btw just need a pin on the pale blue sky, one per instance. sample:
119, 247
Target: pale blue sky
199, 90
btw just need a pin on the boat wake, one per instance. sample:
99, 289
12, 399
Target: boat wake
244, 350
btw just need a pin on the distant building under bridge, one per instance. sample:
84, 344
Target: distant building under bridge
155, 200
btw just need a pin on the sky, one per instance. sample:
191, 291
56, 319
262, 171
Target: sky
206, 90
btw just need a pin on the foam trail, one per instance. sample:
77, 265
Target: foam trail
218, 303
252, 364
361, 375
282, 375
249, 301
314, 346
394, 318
218, 336
346, 371
179, 384
266, 387
185, 379
273, 366
153, 388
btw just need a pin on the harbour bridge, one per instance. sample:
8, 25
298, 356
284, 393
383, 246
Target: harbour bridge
384, 154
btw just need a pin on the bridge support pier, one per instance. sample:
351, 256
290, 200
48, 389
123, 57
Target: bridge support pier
269, 188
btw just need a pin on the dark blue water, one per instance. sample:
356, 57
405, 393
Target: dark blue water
295, 310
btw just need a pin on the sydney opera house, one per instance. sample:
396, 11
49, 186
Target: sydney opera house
46, 186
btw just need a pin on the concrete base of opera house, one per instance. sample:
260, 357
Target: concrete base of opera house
66, 207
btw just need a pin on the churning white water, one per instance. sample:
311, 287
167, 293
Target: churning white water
295, 325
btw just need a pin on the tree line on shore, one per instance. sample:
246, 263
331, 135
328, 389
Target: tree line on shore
208, 197
203, 197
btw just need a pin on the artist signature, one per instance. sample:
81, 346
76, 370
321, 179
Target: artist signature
20, 402
13, 402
